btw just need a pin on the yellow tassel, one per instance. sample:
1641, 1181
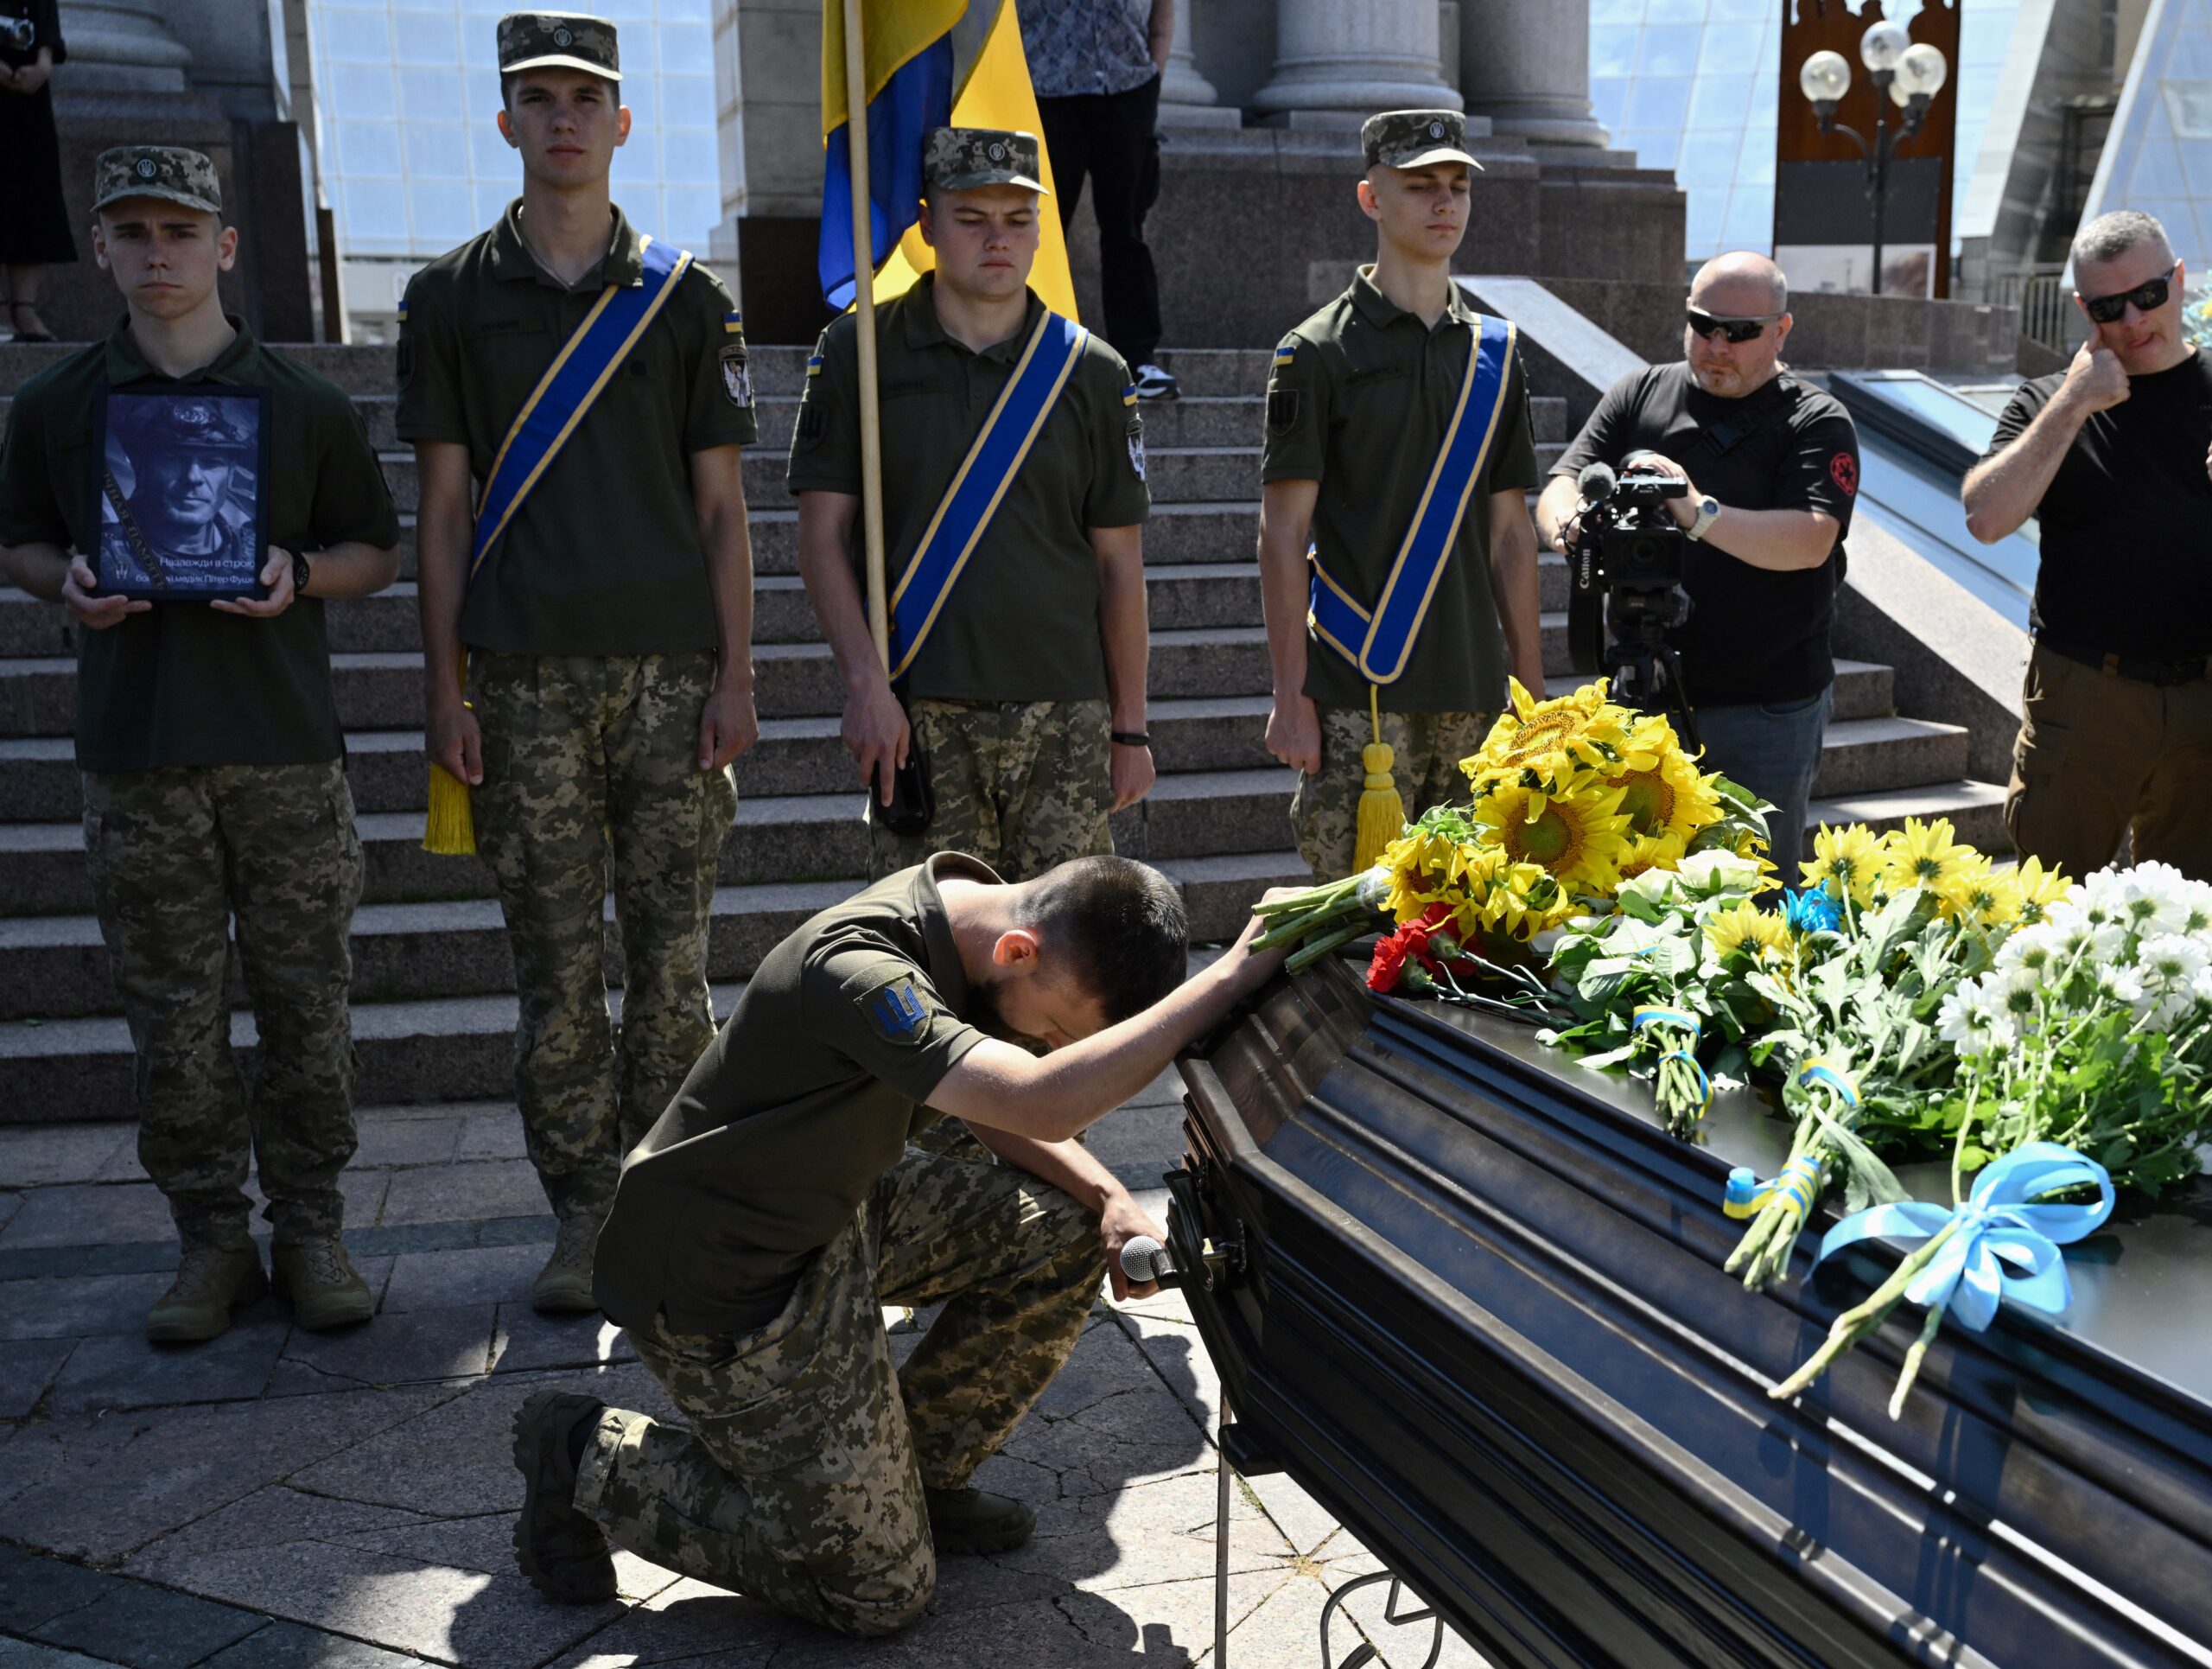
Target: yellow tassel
1381, 811
449, 826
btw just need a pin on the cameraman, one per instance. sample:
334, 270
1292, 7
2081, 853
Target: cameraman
1772, 466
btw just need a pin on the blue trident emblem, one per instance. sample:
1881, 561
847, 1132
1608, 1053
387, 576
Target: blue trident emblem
896, 1010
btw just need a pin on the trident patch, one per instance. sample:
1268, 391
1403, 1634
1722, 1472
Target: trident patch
897, 1011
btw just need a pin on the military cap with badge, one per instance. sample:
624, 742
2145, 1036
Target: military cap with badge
1414, 139
965, 159
558, 40
170, 172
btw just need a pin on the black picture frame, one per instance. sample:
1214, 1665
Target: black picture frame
177, 437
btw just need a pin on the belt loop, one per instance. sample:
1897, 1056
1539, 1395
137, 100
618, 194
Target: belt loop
2112, 666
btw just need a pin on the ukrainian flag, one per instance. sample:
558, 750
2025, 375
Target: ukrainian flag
907, 70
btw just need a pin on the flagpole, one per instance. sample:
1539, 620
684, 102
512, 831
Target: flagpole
879, 616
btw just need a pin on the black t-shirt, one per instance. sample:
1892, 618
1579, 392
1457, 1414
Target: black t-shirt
1754, 634
2127, 563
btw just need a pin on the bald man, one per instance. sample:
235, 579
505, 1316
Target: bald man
1773, 467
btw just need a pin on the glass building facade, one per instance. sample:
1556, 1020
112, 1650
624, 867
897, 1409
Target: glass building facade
1695, 86
2158, 155
412, 163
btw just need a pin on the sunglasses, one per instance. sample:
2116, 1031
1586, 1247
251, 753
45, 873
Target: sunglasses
2147, 298
1738, 330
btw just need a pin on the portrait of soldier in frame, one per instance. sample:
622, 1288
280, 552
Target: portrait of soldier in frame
181, 506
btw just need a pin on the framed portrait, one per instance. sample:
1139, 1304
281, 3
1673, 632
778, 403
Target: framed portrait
183, 491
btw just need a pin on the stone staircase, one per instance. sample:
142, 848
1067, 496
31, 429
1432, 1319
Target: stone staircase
433, 981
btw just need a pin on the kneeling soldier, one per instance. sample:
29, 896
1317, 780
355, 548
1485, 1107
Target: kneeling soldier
1397, 564
214, 774
1013, 494
777, 1207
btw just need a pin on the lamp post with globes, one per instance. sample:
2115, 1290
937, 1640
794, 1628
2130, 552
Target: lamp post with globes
1909, 74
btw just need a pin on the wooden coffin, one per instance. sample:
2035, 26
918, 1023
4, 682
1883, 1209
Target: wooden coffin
1471, 1296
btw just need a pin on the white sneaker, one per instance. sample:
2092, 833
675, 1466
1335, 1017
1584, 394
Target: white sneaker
1153, 384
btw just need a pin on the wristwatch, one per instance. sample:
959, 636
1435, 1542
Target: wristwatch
1708, 511
1129, 738
299, 573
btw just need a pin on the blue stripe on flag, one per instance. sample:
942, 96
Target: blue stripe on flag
917, 99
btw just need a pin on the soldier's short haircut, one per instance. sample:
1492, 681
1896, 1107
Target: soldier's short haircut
2110, 235
1121, 925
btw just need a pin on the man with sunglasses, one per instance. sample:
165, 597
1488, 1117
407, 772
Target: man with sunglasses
2112, 457
1773, 467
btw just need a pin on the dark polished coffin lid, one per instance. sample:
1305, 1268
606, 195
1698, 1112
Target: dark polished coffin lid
1481, 1316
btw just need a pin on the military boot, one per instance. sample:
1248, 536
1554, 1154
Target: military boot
976, 1521
563, 1286
320, 1279
210, 1282
562, 1553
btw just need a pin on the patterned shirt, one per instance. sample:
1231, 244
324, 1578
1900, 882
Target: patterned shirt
1076, 47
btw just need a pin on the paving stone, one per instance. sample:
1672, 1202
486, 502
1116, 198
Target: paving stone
33, 1591
499, 1187
149, 1627
392, 1237
487, 1543
526, 1341
131, 1258
73, 1306
538, 1231
268, 1516
1161, 1531
29, 1654
386, 1140
400, 1349
39, 1155
30, 1263
11, 1202
26, 1367
117, 1370
90, 1214
1131, 1438
493, 1135
1137, 1142
697, 1624
1400, 1645
1163, 1330
1173, 1620
469, 1275
288, 1646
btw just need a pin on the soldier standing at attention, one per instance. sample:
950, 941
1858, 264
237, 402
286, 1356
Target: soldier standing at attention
1013, 494
215, 776
592, 382
1398, 450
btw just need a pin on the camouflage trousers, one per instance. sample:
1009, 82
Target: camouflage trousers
800, 1481
176, 855
1325, 808
591, 775
1022, 785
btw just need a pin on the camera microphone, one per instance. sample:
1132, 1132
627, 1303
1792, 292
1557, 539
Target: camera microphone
1595, 482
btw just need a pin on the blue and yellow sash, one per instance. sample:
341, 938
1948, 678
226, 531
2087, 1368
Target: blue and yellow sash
1381, 643
965, 512
570, 386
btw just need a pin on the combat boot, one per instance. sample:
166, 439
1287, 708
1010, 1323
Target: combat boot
562, 1553
320, 1279
210, 1282
563, 1286
976, 1521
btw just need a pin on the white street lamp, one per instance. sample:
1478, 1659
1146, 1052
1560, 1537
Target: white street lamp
1909, 73
1825, 78
1881, 47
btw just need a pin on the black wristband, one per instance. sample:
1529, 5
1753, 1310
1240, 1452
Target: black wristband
1129, 738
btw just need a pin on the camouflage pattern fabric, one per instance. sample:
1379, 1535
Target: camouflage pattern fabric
591, 773
174, 854
559, 39
800, 1481
168, 172
960, 159
1022, 785
1325, 808
1411, 138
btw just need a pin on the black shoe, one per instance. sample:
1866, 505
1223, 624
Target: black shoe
976, 1521
562, 1553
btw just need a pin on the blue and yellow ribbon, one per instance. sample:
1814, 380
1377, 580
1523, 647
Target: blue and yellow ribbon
1821, 1070
1654, 1014
1796, 1188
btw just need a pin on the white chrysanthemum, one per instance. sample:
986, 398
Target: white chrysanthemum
2160, 898
2083, 941
2203, 984
2169, 961
2035, 947
2119, 985
2103, 898
2171, 1008
1972, 1023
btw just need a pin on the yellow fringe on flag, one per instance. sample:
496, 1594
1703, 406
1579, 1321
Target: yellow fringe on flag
1381, 811
449, 829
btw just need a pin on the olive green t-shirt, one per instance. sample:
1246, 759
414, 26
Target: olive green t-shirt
1022, 622
183, 683
1359, 400
604, 558
807, 1095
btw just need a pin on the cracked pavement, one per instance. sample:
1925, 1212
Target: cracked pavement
277, 1500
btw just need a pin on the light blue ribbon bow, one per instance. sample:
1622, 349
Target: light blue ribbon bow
1999, 1224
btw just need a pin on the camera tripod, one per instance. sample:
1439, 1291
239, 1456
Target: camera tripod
1644, 671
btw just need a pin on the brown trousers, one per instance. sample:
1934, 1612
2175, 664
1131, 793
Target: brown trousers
2102, 756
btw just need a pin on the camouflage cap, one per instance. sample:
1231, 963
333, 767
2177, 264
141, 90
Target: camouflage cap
185, 425
165, 171
960, 159
558, 40
1414, 138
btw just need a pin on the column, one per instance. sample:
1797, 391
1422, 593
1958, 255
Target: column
1337, 61
120, 46
1186, 98
1525, 64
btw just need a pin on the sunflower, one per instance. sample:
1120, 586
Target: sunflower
1923, 855
1669, 795
1847, 862
1664, 850
1745, 926
1550, 741
1578, 838
2039, 889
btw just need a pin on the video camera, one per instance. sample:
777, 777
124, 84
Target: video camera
1625, 572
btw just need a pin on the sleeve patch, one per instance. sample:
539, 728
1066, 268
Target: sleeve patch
737, 380
406, 361
1282, 410
1843, 470
1135, 433
896, 1011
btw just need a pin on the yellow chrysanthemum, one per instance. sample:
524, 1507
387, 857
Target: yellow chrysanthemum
1979, 896
2039, 889
1578, 837
1924, 854
1654, 852
1745, 926
1851, 858
1669, 795
1550, 741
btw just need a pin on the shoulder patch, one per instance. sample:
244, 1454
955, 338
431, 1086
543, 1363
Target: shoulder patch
737, 380
1282, 410
1843, 470
896, 1011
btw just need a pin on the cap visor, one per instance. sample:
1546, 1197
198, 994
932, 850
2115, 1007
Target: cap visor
995, 177
1437, 153
164, 193
563, 60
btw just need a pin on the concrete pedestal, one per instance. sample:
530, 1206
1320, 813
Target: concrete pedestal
1525, 64
1188, 99
121, 45
1339, 59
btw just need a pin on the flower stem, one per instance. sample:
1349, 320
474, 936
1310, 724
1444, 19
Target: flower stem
1913, 1357
1866, 1317
1313, 950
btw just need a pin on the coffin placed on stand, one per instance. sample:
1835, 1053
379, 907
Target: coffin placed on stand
1471, 1296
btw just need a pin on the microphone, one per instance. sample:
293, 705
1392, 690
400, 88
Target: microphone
1144, 1260
1595, 482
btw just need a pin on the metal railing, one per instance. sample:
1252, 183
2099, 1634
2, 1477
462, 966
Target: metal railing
2044, 306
